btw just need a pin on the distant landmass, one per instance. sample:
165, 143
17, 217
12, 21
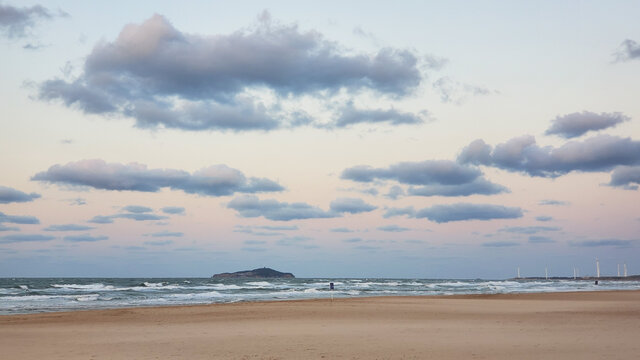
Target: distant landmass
255, 273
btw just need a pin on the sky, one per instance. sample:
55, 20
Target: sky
421, 139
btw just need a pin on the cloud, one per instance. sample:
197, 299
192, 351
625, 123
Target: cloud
77, 201
101, 219
528, 229
436, 177
166, 234
463, 212
18, 22
395, 192
216, 180
15, 219
139, 217
108, 219
540, 240
604, 243
294, 241
351, 206
341, 230
391, 212
393, 228
500, 244
158, 242
18, 238
554, 202
84, 238
522, 154
173, 210
478, 186
137, 209
277, 228
254, 249
452, 91
163, 77
577, 124
9, 228
250, 206
627, 177
352, 240
68, 227
628, 50
9, 195
255, 242
415, 173
544, 218
350, 115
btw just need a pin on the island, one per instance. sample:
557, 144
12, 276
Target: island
254, 274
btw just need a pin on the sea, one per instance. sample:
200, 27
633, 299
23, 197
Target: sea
37, 295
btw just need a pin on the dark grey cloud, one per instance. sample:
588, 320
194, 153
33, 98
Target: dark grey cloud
137, 209
250, 206
158, 242
628, 50
341, 230
216, 180
544, 218
163, 77
522, 154
68, 227
577, 124
393, 228
351, 206
352, 240
627, 177
166, 234
436, 177
463, 212
18, 22
500, 244
173, 210
604, 243
350, 115
391, 212
18, 238
553, 202
535, 239
9, 228
84, 238
18, 219
528, 230
10, 195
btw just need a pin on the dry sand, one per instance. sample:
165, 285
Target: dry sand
588, 325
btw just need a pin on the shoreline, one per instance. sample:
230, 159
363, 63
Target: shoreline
561, 325
337, 298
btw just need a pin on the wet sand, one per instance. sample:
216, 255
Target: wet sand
587, 325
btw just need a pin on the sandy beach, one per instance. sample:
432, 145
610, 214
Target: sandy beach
587, 325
